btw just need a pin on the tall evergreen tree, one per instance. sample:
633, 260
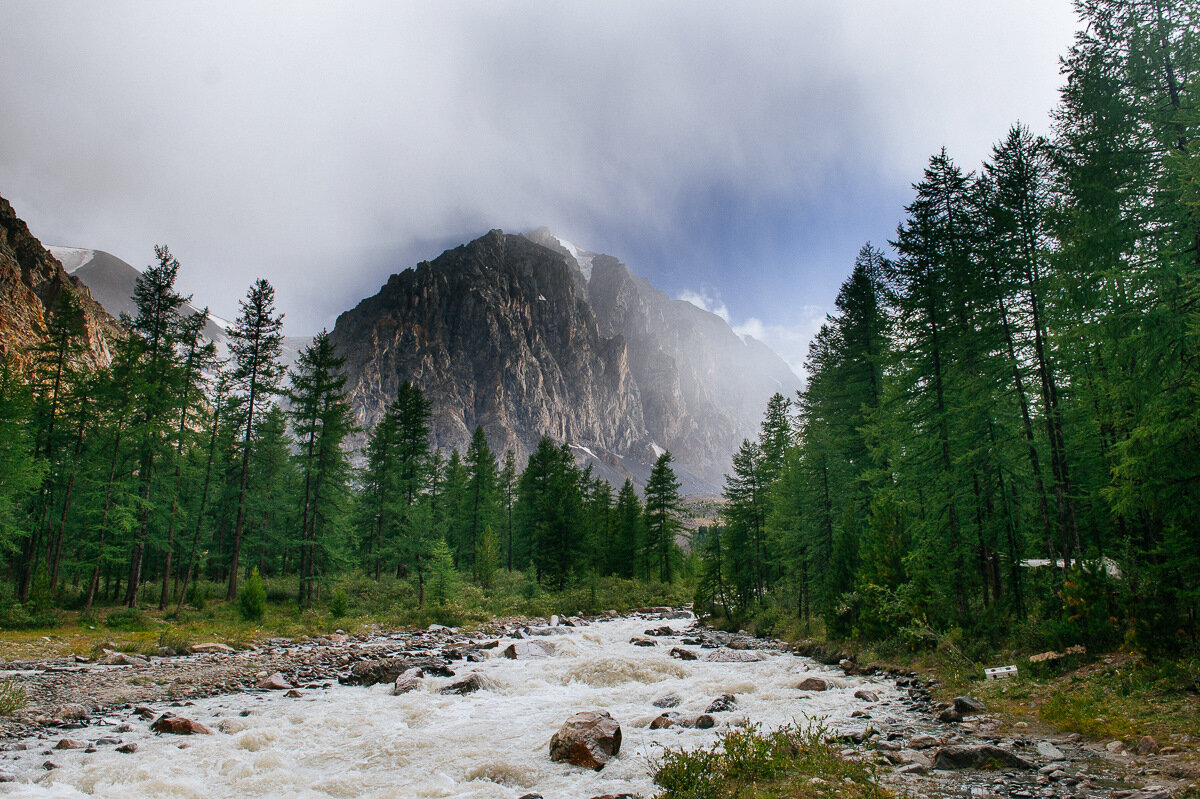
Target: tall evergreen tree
320, 415
255, 340
663, 506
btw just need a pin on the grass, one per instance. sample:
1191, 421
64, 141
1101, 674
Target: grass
1121, 696
12, 697
354, 603
746, 763
1101, 696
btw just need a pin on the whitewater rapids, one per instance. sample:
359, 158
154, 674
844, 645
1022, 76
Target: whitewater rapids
492, 744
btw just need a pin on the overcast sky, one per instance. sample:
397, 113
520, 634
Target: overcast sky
736, 153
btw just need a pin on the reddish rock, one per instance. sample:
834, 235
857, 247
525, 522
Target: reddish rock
294, 694
662, 722
127, 749
814, 684
588, 739
70, 743
178, 725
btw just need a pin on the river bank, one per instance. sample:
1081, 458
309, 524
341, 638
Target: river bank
885, 718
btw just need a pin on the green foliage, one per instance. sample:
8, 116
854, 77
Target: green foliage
789, 762
252, 599
487, 553
443, 577
12, 697
339, 603
128, 620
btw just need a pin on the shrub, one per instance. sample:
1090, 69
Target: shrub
128, 619
339, 603
12, 697
198, 594
252, 599
780, 763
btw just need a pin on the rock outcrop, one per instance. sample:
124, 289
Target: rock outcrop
31, 282
530, 338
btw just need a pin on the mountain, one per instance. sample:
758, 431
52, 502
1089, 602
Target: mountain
111, 281
531, 336
31, 281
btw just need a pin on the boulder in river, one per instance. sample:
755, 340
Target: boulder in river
967, 705
813, 684
668, 701
659, 631
178, 725
71, 743
979, 756
588, 739
641, 640
407, 681
468, 685
866, 696
727, 655
528, 650
722, 704
680, 653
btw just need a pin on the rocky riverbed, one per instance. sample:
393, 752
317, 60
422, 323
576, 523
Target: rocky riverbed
474, 712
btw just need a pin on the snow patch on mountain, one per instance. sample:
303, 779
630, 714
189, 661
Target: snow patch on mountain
72, 258
585, 449
582, 257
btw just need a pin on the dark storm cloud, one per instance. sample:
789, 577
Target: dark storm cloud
749, 148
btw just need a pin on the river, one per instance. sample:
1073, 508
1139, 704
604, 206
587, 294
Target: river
492, 744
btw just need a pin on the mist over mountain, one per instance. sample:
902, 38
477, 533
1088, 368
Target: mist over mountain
532, 336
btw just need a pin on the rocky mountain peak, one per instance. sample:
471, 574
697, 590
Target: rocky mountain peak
532, 335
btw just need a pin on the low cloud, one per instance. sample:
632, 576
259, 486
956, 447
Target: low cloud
789, 341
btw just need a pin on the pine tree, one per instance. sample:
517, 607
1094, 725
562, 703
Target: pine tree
20, 471
625, 556
256, 342
663, 506
320, 415
483, 494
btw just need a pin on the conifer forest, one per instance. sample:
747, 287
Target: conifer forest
999, 432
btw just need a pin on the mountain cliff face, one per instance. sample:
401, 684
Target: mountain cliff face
31, 281
529, 336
